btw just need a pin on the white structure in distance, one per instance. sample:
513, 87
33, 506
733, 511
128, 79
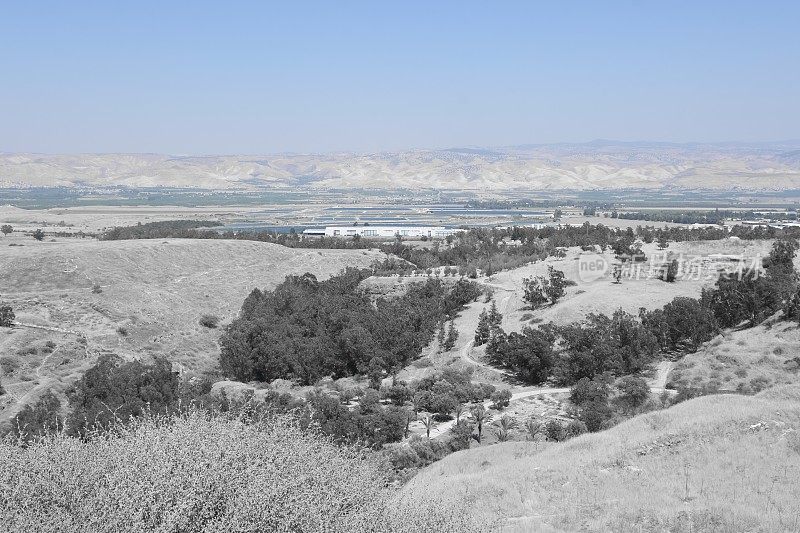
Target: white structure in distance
433, 232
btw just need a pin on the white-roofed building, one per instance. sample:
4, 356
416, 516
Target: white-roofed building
432, 232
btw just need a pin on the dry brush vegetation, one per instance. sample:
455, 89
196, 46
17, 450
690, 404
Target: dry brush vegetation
202, 472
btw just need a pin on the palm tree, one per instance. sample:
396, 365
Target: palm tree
459, 411
533, 427
411, 415
427, 421
480, 416
504, 425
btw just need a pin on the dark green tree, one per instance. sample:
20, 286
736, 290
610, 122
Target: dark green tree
113, 391
6, 316
633, 392
535, 293
670, 273
42, 418
450, 338
484, 329
554, 288
495, 318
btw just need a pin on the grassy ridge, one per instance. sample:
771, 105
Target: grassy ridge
717, 463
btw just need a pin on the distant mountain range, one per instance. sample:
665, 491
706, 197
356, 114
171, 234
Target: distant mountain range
595, 165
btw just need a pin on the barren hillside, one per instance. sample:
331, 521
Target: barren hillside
596, 165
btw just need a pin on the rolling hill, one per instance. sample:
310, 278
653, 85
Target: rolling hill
716, 463
596, 165
135, 298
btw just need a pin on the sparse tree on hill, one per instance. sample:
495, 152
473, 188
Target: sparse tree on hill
427, 421
671, 272
440, 336
633, 391
484, 329
461, 435
617, 274
663, 243
459, 410
623, 246
782, 254
554, 289
501, 398
495, 318
6, 316
534, 291
480, 416
6, 229
375, 372
38, 235
42, 418
451, 338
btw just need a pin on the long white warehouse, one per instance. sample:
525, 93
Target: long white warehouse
382, 231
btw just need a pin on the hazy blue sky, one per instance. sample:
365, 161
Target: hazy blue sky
259, 77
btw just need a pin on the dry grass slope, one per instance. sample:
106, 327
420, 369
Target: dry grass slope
747, 361
717, 463
136, 299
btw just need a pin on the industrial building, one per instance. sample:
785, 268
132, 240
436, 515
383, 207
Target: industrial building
433, 232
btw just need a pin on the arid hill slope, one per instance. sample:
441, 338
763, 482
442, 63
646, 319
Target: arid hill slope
133, 298
717, 463
596, 165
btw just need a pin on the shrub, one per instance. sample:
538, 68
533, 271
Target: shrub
6, 316
589, 390
595, 414
575, 428
633, 391
97, 289
209, 321
555, 431
501, 399
8, 364
194, 473
759, 383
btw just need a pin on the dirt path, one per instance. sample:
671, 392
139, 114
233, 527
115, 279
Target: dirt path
662, 373
44, 361
466, 355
